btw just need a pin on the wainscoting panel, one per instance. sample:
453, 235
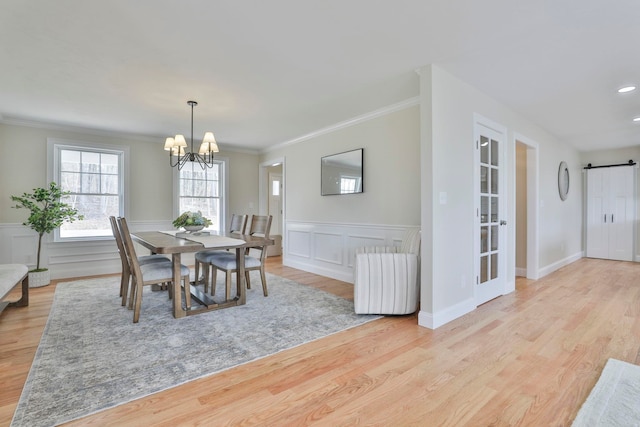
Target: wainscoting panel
323, 248
22, 248
328, 249
299, 243
18, 245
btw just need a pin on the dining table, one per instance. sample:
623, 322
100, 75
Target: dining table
176, 243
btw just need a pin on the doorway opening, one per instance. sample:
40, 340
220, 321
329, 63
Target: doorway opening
526, 197
271, 199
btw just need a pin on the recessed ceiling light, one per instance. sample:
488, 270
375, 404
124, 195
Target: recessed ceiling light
636, 119
626, 89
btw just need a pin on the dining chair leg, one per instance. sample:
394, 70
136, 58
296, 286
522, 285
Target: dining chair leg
205, 268
121, 283
214, 279
197, 273
124, 286
187, 292
132, 293
227, 287
264, 283
138, 303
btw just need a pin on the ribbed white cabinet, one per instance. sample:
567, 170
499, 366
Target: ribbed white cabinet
610, 212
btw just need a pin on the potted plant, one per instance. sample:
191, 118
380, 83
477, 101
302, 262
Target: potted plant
48, 212
192, 221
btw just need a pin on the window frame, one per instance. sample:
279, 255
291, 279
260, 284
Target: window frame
56, 145
224, 197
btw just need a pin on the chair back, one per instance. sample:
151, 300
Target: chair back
411, 242
118, 237
260, 224
130, 250
238, 224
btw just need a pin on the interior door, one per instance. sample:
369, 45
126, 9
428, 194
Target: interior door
597, 213
490, 214
622, 207
610, 213
275, 202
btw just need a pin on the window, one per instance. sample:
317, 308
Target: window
203, 190
348, 184
94, 178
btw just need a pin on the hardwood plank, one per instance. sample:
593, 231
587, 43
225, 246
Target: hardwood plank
528, 358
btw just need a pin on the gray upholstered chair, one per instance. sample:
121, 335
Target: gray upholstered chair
238, 225
226, 261
149, 274
386, 278
125, 278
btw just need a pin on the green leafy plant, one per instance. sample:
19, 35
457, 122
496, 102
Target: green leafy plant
191, 218
48, 212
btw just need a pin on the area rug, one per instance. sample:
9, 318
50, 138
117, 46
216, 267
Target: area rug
92, 356
615, 399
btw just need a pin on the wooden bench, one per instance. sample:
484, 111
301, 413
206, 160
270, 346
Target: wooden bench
11, 275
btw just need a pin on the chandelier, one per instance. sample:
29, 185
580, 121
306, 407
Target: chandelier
176, 148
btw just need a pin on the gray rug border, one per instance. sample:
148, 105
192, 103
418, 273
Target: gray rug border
28, 384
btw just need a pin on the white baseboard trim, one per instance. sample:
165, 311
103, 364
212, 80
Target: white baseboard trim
315, 269
559, 264
521, 272
433, 321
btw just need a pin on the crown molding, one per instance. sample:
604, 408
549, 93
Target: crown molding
17, 121
154, 139
407, 103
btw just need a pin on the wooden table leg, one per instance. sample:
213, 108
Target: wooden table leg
240, 279
178, 311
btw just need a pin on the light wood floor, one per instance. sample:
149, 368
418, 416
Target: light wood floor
528, 358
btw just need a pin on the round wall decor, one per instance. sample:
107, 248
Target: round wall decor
563, 180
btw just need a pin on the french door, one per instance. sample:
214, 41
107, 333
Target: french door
490, 223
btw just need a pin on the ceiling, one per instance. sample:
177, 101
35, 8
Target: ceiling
267, 72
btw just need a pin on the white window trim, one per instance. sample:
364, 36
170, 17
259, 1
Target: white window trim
223, 200
53, 174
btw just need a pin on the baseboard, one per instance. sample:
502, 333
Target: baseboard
433, 321
559, 264
315, 269
521, 272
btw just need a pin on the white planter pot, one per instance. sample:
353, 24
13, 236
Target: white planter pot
39, 278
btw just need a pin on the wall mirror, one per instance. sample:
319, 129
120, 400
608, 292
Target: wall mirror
342, 173
563, 180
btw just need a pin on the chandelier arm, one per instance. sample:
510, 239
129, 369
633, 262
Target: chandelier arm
173, 165
182, 161
202, 161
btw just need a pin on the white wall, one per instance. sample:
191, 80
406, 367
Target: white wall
150, 194
448, 109
321, 231
391, 169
